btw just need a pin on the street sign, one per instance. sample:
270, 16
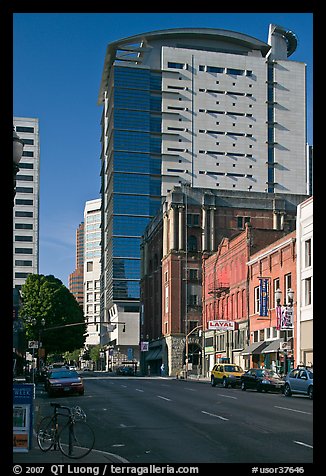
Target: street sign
33, 344
285, 346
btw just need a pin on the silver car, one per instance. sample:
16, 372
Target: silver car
301, 381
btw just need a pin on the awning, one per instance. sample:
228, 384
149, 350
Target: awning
273, 346
154, 354
254, 348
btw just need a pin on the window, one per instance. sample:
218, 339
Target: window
235, 72
276, 285
23, 214
24, 251
24, 189
28, 153
24, 238
256, 300
287, 286
22, 201
193, 274
307, 251
214, 69
89, 266
307, 291
176, 65
25, 129
28, 141
166, 300
23, 226
20, 262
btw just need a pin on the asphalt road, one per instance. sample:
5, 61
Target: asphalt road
176, 421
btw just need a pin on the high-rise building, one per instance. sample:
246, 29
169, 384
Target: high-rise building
26, 203
76, 278
92, 270
213, 108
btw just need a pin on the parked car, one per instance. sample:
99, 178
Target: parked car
125, 371
226, 374
64, 381
262, 379
300, 381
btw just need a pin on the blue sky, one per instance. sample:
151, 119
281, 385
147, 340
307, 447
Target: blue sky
58, 62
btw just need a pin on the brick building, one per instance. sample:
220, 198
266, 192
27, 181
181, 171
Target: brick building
277, 264
189, 227
226, 294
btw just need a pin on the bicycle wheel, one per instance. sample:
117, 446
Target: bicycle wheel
76, 439
46, 433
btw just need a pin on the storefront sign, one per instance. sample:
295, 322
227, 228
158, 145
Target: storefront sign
221, 324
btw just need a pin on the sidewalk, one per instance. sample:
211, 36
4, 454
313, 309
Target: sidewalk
35, 455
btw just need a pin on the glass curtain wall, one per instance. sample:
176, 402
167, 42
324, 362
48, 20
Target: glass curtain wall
135, 179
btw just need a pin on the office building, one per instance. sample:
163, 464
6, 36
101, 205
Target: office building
92, 270
76, 278
213, 108
26, 203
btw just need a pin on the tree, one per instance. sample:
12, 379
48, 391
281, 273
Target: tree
45, 297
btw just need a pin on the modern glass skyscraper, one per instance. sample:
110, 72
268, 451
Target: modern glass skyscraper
208, 107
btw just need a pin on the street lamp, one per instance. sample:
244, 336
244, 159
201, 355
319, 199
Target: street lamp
187, 347
18, 146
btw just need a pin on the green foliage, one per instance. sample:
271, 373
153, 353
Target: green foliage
94, 352
45, 297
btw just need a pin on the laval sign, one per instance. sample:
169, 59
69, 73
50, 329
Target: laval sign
221, 325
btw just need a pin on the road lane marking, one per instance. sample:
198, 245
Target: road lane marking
217, 416
190, 389
227, 396
164, 398
302, 444
124, 386
139, 390
292, 410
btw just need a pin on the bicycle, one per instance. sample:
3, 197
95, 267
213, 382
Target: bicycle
75, 438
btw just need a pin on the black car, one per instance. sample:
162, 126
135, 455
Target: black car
127, 370
262, 379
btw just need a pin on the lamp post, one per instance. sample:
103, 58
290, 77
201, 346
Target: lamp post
33, 321
187, 347
285, 315
18, 146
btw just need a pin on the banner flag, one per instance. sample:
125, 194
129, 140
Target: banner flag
263, 297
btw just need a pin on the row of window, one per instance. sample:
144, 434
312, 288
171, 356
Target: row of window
212, 69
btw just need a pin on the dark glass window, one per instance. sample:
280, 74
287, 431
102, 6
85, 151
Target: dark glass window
24, 251
214, 69
28, 153
23, 201
23, 214
126, 247
21, 262
23, 238
171, 64
21, 275
24, 129
28, 141
129, 225
126, 289
23, 226
27, 178
126, 268
25, 165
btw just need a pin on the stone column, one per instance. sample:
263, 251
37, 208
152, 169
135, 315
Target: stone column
165, 234
212, 229
181, 228
204, 229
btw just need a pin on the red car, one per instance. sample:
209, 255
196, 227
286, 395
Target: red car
64, 381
